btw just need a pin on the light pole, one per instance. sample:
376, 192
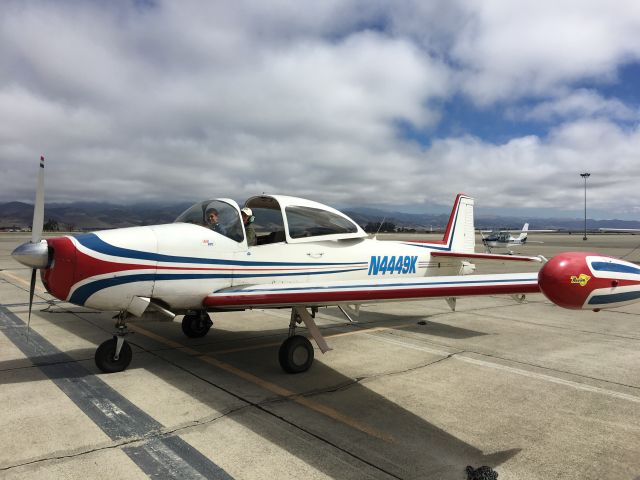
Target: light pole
585, 176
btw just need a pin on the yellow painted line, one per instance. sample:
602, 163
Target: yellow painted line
334, 335
269, 386
22, 281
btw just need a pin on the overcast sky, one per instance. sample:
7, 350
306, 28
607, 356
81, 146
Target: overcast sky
397, 104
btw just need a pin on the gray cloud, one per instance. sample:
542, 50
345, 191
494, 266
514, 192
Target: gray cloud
186, 100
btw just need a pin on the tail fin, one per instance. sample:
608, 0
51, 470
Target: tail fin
523, 234
460, 235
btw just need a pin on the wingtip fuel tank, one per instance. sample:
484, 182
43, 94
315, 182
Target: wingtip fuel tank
589, 281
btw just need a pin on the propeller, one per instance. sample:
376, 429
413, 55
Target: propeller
35, 254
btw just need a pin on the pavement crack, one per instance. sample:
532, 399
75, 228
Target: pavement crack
261, 406
130, 441
358, 380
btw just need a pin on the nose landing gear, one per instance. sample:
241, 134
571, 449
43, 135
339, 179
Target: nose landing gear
115, 354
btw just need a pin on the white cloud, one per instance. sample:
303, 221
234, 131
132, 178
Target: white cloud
581, 103
532, 172
514, 49
193, 99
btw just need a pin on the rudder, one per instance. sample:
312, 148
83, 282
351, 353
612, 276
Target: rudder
460, 235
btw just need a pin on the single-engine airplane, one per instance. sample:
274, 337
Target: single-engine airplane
504, 239
307, 255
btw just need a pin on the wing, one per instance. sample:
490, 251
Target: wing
369, 291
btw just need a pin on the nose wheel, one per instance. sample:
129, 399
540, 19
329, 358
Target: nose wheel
115, 354
111, 357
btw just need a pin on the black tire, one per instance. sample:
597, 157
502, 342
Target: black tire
105, 353
296, 354
196, 325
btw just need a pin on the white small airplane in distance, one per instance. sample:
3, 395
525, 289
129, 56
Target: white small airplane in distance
307, 255
504, 239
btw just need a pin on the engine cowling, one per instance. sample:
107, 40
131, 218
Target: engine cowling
589, 281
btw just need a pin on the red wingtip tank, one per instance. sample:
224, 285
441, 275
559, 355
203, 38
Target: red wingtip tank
589, 281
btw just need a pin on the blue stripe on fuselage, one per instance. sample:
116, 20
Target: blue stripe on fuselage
95, 243
80, 296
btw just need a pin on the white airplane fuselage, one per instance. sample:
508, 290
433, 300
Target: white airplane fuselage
180, 264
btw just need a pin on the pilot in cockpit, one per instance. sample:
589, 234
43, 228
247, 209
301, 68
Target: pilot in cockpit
214, 222
247, 220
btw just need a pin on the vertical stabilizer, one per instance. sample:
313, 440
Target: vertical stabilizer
460, 235
523, 234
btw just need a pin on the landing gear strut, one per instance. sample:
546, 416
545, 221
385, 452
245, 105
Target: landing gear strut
196, 324
296, 352
115, 354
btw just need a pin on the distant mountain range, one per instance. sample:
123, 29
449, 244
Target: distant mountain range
96, 216
90, 216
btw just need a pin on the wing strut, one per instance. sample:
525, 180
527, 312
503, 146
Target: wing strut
345, 313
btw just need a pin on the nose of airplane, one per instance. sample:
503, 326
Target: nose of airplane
33, 255
59, 275
590, 281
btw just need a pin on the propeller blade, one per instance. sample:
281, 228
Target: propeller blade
38, 209
32, 289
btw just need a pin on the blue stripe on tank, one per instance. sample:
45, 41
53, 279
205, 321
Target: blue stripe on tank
614, 267
614, 298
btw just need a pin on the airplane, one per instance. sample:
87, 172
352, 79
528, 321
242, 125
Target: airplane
504, 239
308, 255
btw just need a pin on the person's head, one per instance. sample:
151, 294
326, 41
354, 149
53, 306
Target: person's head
246, 215
212, 216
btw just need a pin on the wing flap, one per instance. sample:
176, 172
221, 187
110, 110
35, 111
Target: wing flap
369, 291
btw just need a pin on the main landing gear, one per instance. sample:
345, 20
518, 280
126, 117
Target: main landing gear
296, 352
196, 324
115, 354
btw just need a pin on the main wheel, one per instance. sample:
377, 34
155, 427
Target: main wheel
106, 352
296, 354
196, 325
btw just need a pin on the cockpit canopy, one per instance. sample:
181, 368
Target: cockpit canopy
281, 218
277, 218
220, 215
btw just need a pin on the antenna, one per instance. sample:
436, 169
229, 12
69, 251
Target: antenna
380, 226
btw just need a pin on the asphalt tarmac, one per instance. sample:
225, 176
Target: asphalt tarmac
412, 390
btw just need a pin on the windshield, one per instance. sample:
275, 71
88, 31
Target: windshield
215, 215
312, 222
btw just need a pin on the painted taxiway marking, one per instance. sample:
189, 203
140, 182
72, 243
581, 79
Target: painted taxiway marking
518, 371
22, 281
269, 386
123, 422
272, 387
331, 335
